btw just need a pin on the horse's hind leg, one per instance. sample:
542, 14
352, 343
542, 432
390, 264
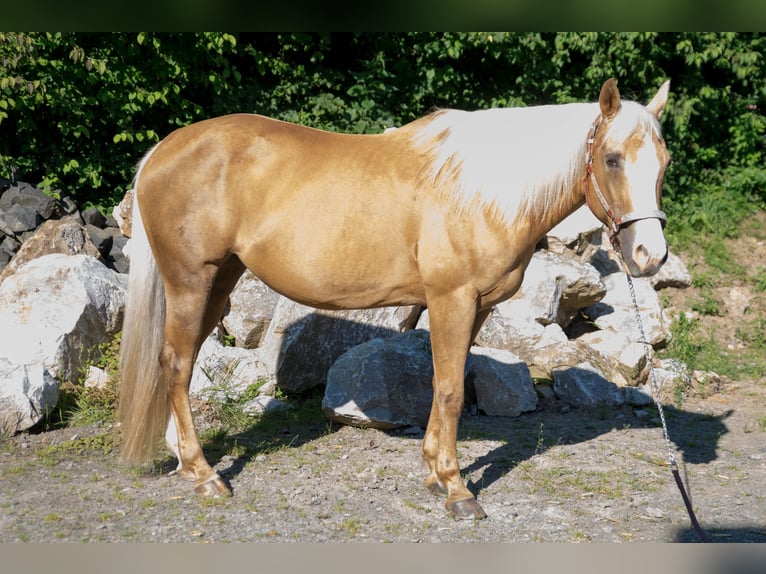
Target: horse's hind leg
194, 306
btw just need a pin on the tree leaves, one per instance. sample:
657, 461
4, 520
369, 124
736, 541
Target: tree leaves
105, 98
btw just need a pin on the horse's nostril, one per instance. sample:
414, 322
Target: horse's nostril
641, 255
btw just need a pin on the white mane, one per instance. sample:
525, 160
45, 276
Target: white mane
515, 161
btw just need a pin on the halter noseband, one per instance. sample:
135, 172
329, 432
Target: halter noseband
616, 223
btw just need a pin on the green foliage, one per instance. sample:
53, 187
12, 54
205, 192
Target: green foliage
78, 110
696, 349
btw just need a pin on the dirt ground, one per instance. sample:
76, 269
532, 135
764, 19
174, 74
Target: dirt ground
554, 475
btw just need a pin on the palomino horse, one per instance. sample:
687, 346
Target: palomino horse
443, 212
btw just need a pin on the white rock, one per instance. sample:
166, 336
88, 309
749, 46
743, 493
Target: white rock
555, 288
96, 378
54, 312
226, 369
617, 312
252, 305
27, 394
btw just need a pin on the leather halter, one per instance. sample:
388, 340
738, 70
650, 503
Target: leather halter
616, 222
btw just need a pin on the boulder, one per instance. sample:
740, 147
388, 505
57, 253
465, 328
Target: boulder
617, 311
555, 288
302, 343
225, 371
117, 259
520, 334
93, 216
502, 383
673, 273
387, 383
65, 236
251, 307
382, 383
18, 219
585, 386
54, 312
578, 235
28, 392
28, 198
628, 358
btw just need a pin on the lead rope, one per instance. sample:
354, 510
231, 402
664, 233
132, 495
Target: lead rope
656, 396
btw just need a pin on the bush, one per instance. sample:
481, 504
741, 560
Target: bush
78, 110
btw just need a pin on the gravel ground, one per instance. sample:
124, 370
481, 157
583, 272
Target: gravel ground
555, 475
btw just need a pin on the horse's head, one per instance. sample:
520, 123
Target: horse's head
626, 163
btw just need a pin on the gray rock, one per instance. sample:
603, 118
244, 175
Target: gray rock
30, 198
10, 245
117, 259
93, 216
383, 383
673, 274
585, 386
28, 392
502, 383
18, 219
101, 239
302, 343
639, 396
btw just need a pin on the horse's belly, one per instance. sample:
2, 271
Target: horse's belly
339, 277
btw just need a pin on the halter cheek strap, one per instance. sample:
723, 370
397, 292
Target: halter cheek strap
616, 223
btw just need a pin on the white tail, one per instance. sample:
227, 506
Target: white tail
143, 408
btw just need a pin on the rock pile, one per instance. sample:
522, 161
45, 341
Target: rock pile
33, 223
569, 332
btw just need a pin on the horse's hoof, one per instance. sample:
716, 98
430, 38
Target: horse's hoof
466, 509
436, 488
213, 487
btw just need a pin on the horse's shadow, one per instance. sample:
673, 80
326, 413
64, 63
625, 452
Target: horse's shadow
694, 436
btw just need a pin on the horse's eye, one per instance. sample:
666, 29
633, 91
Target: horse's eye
612, 160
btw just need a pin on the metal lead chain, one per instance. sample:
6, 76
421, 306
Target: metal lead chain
656, 395
652, 374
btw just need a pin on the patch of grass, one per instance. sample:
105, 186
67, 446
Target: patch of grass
80, 405
758, 279
351, 526
85, 446
689, 345
567, 481
227, 399
706, 304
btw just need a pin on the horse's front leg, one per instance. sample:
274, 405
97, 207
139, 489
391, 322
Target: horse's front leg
453, 320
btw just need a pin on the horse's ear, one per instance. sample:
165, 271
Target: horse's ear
609, 98
659, 100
